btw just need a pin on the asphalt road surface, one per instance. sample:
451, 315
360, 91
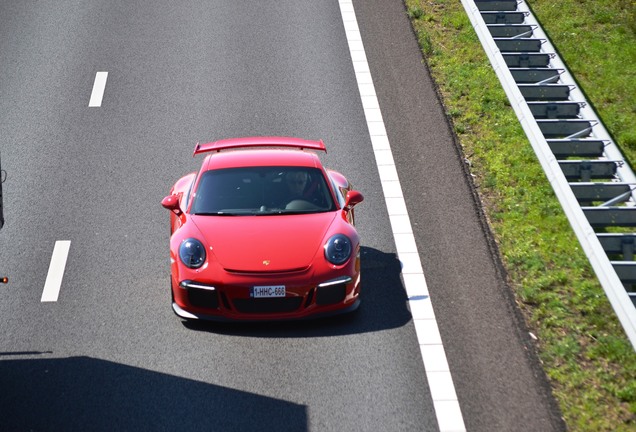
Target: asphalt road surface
109, 354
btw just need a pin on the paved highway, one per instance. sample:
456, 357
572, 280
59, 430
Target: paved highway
109, 354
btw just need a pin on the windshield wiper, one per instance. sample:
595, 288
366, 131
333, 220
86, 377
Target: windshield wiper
296, 212
221, 213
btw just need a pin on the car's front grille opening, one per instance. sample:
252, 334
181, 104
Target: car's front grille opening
332, 294
268, 305
203, 298
310, 297
225, 301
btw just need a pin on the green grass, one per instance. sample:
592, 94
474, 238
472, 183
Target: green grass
597, 41
586, 355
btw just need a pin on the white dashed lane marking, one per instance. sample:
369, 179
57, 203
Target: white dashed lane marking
98, 89
440, 381
56, 271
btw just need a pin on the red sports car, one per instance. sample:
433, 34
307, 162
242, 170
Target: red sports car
263, 232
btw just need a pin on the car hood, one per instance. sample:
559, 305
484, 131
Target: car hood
265, 243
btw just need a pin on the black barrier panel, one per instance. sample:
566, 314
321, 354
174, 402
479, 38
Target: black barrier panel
2, 178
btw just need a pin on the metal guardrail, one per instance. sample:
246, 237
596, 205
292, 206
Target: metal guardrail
2, 179
3, 279
591, 178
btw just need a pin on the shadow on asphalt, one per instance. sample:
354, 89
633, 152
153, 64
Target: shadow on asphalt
82, 394
383, 307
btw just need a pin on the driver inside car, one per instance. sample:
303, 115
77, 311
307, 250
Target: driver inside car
296, 182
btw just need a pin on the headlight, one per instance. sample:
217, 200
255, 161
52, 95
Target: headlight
192, 253
338, 249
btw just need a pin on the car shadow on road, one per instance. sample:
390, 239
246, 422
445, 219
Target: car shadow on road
83, 393
383, 306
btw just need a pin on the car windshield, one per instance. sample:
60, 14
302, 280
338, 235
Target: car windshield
262, 191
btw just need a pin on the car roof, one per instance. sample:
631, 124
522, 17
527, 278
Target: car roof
260, 157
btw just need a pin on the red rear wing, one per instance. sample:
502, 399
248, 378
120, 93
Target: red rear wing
233, 143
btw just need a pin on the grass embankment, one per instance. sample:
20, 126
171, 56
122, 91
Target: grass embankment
586, 355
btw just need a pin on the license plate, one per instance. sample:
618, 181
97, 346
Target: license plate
267, 291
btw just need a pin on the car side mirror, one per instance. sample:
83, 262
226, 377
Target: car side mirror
171, 202
353, 197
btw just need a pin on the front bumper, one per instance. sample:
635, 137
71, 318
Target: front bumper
222, 318
195, 300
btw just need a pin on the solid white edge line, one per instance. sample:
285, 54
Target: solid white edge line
438, 375
98, 89
56, 271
